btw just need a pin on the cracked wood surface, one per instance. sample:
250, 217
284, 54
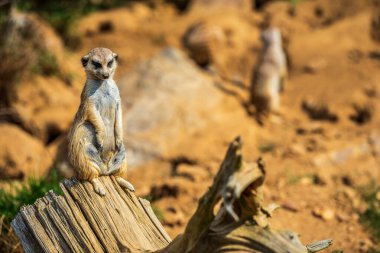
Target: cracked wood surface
83, 221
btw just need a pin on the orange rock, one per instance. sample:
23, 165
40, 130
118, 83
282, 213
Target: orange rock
22, 155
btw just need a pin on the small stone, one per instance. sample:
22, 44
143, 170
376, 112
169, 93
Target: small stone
306, 181
378, 196
290, 206
281, 183
324, 213
355, 217
297, 149
349, 192
328, 214
315, 65
342, 217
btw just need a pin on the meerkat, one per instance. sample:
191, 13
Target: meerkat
96, 145
269, 74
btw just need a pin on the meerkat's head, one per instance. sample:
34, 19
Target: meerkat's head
271, 36
100, 63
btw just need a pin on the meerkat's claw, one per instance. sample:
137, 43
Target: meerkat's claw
99, 143
125, 184
98, 188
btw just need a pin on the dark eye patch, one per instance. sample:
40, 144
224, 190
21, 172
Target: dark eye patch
109, 64
96, 64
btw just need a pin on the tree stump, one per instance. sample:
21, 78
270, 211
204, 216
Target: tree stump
83, 221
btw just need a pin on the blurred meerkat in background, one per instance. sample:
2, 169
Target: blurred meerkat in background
269, 74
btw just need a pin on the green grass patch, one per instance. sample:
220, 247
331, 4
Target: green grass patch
63, 15
46, 64
158, 212
10, 202
371, 216
267, 147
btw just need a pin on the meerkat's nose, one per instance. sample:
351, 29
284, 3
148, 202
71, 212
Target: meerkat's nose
106, 75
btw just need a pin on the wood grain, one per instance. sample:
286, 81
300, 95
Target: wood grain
83, 221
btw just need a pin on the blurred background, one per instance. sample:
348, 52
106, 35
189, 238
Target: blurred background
184, 103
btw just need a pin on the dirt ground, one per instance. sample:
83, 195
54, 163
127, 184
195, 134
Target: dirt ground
315, 167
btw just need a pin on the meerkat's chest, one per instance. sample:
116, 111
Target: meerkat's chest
106, 98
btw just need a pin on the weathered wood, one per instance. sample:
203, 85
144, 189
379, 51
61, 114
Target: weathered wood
83, 221
240, 224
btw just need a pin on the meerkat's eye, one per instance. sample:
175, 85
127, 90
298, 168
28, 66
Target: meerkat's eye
96, 64
109, 64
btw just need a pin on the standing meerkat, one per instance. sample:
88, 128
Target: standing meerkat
270, 73
96, 145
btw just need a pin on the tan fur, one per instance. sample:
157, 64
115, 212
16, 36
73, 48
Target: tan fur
270, 73
96, 137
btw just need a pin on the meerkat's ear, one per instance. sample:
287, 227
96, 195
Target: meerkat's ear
85, 59
115, 56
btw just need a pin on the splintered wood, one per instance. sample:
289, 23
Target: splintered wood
83, 221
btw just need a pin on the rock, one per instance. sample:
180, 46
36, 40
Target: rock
212, 5
355, 217
204, 42
316, 65
21, 155
324, 213
296, 149
374, 142
28, 42
378, 196
343, 217
48, 105
290, 206
170, 105
343, 155
306, 181
44, 105
230, 33
318, 110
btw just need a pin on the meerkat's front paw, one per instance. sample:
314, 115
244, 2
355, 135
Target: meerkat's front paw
125, 184
119, 144
98, 188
